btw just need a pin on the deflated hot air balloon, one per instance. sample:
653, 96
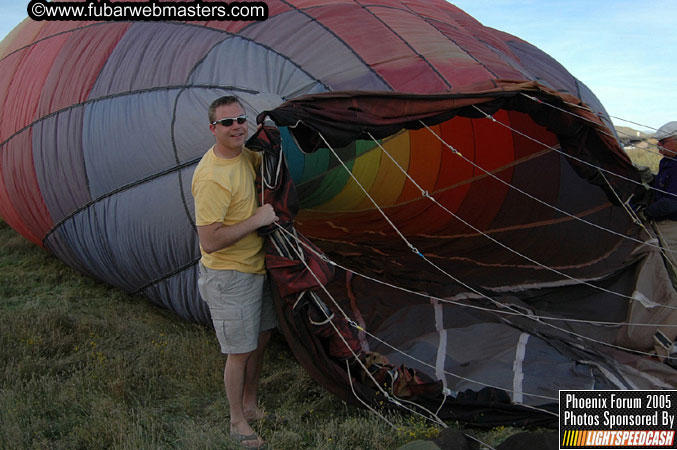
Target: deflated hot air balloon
463, 196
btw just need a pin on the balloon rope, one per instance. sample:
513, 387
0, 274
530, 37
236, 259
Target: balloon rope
465, 305
499, 304
541, 102
456, 152
663, 248
413, 358
366, 405
532, 197
486, 446
298, 250
471, 306
631, 213
299, 254
565, 154
444, 425
355, 356
435, 265
425, 194
406, 241
634, 123
668, 253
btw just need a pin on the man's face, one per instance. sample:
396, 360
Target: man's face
233, 137
668, 146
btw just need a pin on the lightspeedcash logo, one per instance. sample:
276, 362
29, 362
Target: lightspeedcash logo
618, 439
618, 419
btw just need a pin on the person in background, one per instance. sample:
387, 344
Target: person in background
232, 268
662, 209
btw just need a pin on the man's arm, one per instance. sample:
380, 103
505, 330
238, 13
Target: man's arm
662, 208
217, 236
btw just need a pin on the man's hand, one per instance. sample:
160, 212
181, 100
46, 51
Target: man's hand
217, 236
265, 215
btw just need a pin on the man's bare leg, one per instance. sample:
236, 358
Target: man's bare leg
234, 376
254, 364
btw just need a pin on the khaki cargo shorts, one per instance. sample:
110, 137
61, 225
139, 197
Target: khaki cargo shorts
241, 307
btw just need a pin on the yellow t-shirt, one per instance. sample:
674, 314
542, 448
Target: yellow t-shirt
224, 192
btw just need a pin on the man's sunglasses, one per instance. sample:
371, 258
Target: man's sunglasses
229, 120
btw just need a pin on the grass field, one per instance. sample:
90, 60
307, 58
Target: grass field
645, 157
86, 366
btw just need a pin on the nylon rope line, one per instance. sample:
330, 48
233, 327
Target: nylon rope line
646, 150
406, 241
486, 446
563, 153
387, 344
635, 219
425, 193
580, 336
541, 102
634, 123
413, 249
528, 316
663, 243
355, 325
536, 199
631, 213
263, 181
352, 388
652, 152
470, 306
535, 318
648, 243
460, 377
444, 425
445, 394
390, 398
663, 247
396, 399
649, 150
493, 119
413, 358
263, 184
499, 304
670, 257
352, 323
298, 251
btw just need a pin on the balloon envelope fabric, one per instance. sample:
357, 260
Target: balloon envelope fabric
103, 124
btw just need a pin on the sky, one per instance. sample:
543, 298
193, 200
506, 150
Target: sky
624, 50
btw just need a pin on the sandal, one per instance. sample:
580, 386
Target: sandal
242, 438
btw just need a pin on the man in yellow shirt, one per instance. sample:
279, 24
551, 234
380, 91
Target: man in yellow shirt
232, 268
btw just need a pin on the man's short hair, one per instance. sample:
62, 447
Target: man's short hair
225, 100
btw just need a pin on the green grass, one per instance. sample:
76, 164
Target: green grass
645, 157
87, 366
